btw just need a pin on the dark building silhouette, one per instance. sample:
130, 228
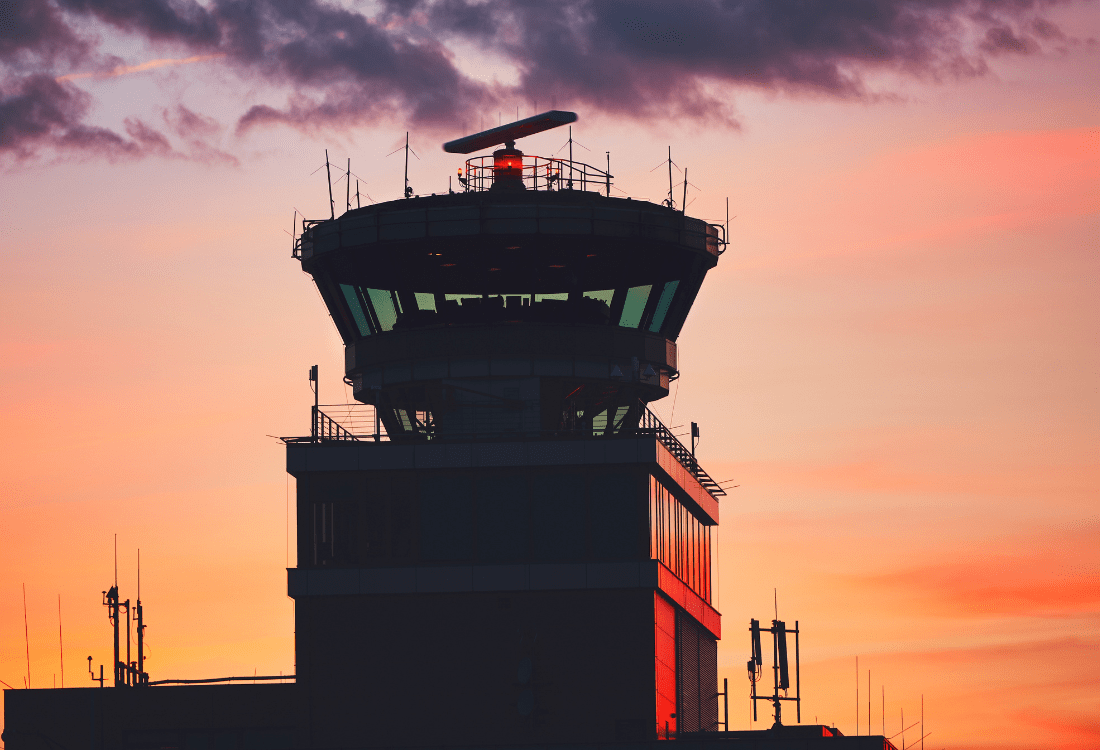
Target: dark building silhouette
530, 549
500, 545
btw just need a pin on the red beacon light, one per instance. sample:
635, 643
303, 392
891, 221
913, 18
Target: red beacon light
508, 161
508, 168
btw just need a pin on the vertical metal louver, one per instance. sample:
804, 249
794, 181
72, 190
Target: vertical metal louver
697, 676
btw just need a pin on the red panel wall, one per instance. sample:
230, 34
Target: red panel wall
664, 631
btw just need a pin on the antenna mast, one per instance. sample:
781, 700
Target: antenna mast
331, 202
780, 669
61, 640
670, 205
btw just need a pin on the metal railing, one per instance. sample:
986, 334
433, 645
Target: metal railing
345, 422
540, 173
651, 425
361, 423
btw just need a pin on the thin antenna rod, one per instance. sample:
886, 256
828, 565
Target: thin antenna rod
684, 207
883, 710
406, 193
868, 701
116, 561
27, 635
857, 697
139, 574
570, 157
61, 641
776, 592
349, 183
357, 203
331, 202
922, 735
670, 176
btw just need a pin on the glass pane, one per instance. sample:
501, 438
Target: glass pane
603, 296
356, 309
425, 301
563, 296
636, 297
382, 301
662, 305
620, 414
599, 422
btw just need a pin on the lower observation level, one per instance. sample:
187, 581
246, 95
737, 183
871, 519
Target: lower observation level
549, 587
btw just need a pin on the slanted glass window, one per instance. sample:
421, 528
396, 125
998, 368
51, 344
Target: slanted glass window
382, 301
356, 309
662, 305
604, 295
425, 301
634, 307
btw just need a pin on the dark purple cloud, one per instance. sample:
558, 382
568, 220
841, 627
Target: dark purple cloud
643, 58
40, 112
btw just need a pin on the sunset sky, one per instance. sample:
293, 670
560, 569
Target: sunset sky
898, 358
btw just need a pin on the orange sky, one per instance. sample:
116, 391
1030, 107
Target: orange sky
897, 359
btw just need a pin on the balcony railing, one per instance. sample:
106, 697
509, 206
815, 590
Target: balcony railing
540, 173
359, 422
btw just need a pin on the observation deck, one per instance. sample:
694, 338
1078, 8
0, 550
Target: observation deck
440, 299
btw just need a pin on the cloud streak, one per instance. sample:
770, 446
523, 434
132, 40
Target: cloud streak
122, 70
334, 66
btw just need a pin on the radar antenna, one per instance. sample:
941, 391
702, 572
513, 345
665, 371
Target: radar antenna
508, 134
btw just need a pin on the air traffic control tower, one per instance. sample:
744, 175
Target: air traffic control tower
510, 548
